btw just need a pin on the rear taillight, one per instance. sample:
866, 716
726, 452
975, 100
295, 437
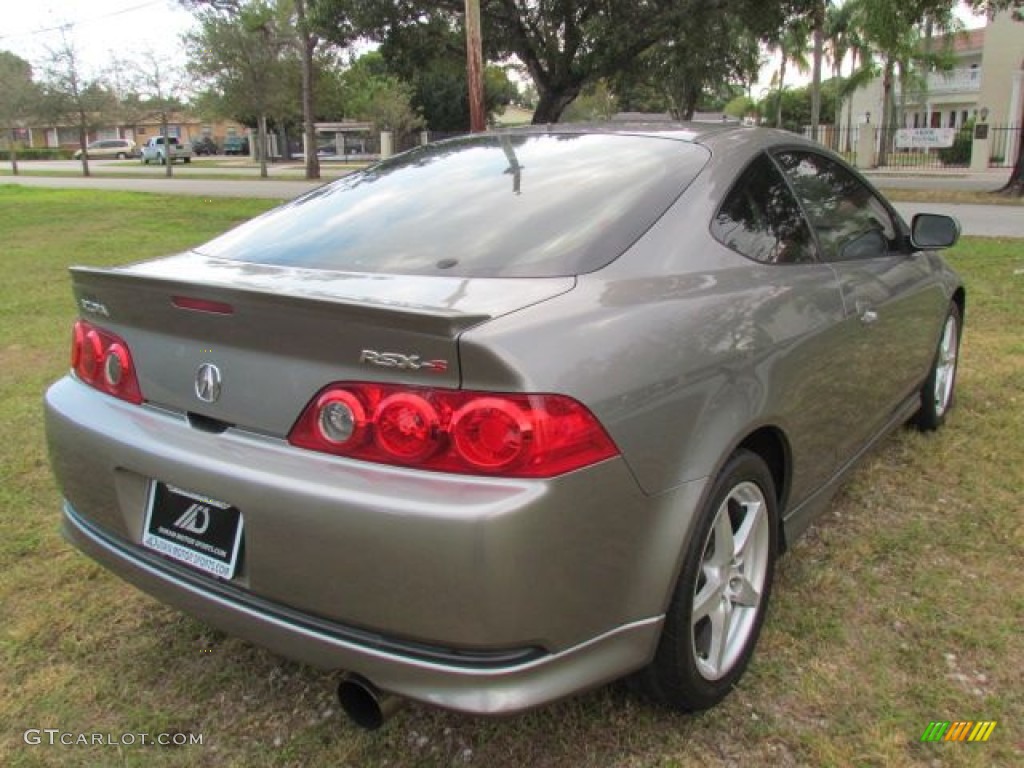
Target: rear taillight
478, 433
102, 360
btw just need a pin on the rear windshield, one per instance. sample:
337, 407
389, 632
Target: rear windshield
483, 206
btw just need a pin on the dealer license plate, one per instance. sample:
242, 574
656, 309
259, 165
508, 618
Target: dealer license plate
193, 529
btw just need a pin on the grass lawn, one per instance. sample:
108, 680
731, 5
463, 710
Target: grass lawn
904, 604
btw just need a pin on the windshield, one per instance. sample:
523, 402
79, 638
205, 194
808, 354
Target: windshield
490, 205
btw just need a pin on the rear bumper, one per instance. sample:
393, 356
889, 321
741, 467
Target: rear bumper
478, 594
494, 689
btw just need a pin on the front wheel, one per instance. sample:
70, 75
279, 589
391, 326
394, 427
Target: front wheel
716, 612
937, 390
121, 155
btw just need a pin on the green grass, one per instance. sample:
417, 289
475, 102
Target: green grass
966, 197
902, 605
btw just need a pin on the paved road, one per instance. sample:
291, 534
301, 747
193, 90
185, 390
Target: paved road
989, 220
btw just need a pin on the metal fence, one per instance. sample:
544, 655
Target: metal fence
892, 155
1004, 143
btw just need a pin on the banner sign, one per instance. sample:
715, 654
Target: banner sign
919, 138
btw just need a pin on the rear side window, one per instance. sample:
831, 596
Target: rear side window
761, 219
491, 205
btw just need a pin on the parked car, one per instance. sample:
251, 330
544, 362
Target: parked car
236, 145
155, 151
497, 420
107, 148
204, 146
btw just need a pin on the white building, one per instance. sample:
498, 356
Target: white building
987, 75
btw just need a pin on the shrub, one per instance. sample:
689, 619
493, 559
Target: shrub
39, 153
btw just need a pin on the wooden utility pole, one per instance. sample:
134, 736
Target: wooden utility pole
475, 67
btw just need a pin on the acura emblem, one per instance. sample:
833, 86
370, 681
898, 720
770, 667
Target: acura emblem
208, 383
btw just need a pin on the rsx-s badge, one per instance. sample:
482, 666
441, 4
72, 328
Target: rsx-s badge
402, 362
208, 383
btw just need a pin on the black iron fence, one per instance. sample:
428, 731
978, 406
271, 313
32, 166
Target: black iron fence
926, 148
1003, 145
936, 148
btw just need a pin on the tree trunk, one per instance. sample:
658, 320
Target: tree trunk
309, 42
14, 159
819, 41
169, 165
552, 102
849, 107
82, 143
837, 117
782, 86
262, 145
884, 125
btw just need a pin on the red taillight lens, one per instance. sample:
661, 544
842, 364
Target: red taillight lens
477, 433
406, 426
102, 360
491, 433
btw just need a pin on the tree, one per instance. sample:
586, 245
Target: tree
699, 65
308, 41
892, 30
240, 51
159, 84
819, 11
595, 104
565, 45
371, 93
71, 95
792, 44
19, 96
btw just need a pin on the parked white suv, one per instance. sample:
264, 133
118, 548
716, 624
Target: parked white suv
155, 151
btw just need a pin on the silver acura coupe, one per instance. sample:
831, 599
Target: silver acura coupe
509, 416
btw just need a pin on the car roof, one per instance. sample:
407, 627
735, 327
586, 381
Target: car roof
707, 134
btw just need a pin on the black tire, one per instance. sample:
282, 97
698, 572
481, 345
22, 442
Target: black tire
681, 676
120, 155
163, 160
937, 392
188, 159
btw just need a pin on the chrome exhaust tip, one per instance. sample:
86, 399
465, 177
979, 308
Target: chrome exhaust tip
364, 704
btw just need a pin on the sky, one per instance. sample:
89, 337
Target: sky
104, 31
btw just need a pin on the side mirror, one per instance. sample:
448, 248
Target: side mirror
931, 231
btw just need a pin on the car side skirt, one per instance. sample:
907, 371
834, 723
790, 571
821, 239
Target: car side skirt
799, 519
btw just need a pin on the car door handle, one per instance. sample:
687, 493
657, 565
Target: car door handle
867, 314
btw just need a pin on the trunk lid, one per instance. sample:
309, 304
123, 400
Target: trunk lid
278, 335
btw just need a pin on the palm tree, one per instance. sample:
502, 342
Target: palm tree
818, 14
792, 45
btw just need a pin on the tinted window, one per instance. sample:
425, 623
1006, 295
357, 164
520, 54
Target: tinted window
487, 205
850, 221
761, 219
